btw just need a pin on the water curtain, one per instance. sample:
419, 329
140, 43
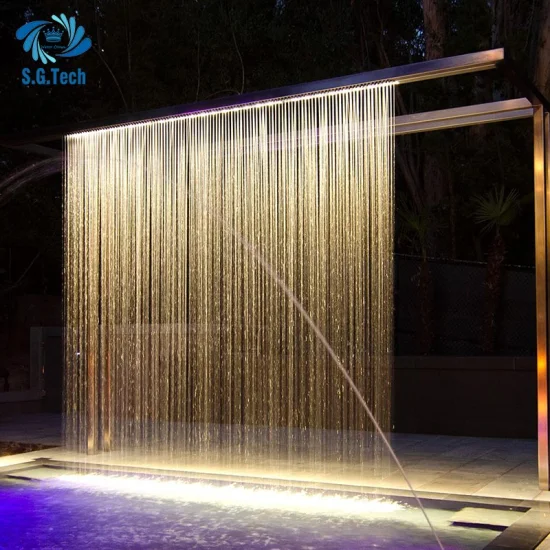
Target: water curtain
175, 334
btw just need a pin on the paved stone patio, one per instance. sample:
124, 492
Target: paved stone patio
442, 467
445, 465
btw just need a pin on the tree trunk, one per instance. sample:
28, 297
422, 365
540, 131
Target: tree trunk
435, 184
498, 23
542, 66
434, 28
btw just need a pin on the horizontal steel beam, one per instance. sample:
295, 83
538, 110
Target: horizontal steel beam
404, 74
497, 111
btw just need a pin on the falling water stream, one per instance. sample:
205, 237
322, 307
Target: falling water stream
200, 253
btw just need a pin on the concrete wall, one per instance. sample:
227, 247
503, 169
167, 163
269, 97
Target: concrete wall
474, 396
46, 376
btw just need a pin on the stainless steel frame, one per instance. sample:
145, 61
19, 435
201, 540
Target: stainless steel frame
405, 74
540, 133
534, 106
497, 111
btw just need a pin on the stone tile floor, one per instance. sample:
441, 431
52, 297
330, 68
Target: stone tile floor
445, 465
44, 428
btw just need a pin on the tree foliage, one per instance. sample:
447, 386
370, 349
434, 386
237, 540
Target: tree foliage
154, 54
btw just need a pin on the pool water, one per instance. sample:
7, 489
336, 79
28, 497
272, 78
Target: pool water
60, 514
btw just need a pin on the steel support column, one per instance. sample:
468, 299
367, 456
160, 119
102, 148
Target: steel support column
540, 147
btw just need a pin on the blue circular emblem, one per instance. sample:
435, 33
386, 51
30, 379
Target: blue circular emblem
46, 41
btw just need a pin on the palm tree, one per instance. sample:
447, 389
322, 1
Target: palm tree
493, 211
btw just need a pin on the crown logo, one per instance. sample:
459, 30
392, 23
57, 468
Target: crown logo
53, 35
32, 33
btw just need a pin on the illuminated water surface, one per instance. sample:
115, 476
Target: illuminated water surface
101, 513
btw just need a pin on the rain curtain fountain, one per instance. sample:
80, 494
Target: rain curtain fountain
175, 334
176, 330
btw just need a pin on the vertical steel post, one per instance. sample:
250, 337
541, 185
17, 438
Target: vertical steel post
542, 199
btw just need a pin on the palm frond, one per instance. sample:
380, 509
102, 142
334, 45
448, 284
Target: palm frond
496, 209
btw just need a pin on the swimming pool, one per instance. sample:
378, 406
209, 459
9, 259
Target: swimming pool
119, 512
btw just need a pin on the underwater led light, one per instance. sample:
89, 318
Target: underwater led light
231, 495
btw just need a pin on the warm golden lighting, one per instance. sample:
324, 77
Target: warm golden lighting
255, 105
176, 335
